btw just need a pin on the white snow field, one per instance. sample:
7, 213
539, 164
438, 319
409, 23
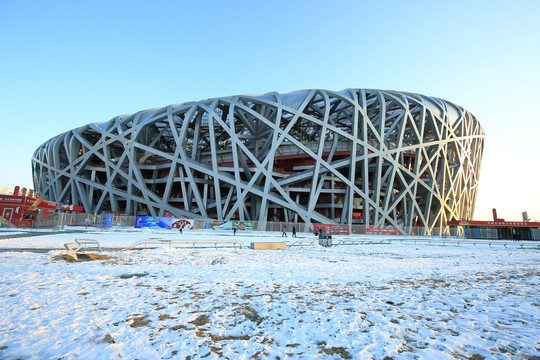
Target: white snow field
378, 301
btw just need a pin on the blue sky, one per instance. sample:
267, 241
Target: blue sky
64, 64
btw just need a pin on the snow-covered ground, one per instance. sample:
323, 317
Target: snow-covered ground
379, 301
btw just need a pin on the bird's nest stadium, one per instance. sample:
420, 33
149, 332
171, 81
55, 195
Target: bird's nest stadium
358, 156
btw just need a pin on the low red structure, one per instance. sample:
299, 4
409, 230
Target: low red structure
518, 230
381, 231
23, 208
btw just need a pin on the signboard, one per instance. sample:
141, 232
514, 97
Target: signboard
332, 229
26, 201
106, 221
382, 231
186, 224
230, 225
242, 225
221, 225
70, 208
494, 223
11, 199
153, 222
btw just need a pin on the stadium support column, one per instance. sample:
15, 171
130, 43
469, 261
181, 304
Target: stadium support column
352, 166
332, 198
263, 214
296, 213
346, 213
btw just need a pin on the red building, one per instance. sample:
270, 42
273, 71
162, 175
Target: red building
517, 230
24, 208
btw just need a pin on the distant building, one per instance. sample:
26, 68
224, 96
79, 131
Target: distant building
370, 157
6, 191
498, 228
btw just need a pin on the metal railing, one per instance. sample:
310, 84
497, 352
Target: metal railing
87, 244
488, 242
361, 242
341, 242
304, 242
121, 221
175, 243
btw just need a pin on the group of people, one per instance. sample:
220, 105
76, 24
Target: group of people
284, 234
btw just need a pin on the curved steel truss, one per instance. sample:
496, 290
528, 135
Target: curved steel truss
371, 157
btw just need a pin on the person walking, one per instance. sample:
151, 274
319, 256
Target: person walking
294, 231
284, 231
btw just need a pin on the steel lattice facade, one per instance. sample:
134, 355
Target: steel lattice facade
371, 157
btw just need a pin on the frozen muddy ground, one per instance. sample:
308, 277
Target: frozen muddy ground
389, 301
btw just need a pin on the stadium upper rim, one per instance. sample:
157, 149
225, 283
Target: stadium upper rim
293, 95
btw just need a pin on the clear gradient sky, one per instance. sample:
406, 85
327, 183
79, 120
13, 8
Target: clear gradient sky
64, 64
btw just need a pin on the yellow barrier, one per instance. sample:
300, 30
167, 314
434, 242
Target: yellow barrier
268, 245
